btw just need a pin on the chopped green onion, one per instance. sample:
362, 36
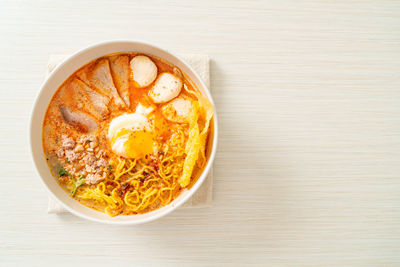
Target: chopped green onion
77, 184
63, 172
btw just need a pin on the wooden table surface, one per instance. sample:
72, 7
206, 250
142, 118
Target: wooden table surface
308, 166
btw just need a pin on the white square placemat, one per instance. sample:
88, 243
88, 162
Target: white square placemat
203, 197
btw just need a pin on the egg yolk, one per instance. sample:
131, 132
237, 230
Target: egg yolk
139, 143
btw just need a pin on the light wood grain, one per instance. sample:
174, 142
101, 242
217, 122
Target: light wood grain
308, 166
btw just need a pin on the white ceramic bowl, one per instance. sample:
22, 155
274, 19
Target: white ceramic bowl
50, 85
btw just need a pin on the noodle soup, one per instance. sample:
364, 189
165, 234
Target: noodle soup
127, 133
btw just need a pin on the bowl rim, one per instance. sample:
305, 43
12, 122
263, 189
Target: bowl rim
170, 207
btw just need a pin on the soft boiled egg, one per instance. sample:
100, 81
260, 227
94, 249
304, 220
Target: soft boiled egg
132, 135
